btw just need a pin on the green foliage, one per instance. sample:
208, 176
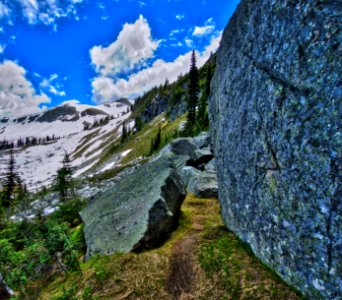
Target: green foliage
67, 294
124, 134
31, 249
69, 213
58, 243
202, 122
156, 142
138, 123
192, 97
64, 182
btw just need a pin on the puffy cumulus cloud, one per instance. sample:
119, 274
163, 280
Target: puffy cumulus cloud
39, 11
208, 28
17, 95
105, 88
133, 46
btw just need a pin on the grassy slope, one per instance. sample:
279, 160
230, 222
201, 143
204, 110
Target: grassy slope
217, 266
139, 144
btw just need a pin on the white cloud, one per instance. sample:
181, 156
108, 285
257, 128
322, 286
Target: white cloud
2, 48
179, 44
105, 88
208, 28
133, 46
17, 94
4, 10
180, 16
189, 43
141, 3
39, 11
176, 31
52, 86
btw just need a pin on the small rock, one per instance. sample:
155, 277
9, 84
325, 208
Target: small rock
187, 174
204, 185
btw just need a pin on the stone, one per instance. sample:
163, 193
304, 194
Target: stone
187, 174
275, 116
210, 167
204, 185
202, 140
183, 146
201, 158
138, 212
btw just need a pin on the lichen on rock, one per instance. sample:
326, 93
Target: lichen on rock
275, 113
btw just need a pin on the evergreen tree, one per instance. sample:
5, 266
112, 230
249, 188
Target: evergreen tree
156, 142
64, 180
124, 134
7, 197
138, 123
202, 117
193, 90
21, 199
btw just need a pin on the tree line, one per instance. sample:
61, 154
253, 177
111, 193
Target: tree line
27, 142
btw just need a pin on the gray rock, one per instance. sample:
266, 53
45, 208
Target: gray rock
204, 185
184, 146
139, 211
201, 158
211, 166
275, 114
187, 174
202, 140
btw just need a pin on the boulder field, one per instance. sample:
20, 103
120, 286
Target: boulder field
143, 208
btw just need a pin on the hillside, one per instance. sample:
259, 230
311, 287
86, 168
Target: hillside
81, 130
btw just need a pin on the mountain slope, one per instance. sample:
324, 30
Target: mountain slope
81, 130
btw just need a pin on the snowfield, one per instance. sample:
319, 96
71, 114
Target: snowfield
38, 164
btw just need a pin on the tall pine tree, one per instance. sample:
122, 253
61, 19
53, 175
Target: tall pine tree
193, 90
64, 181
8, 193
124, 134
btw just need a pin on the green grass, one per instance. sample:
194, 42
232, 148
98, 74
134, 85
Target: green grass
225, 267
140, 142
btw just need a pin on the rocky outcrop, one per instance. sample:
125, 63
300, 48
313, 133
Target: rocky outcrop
63, 113
93, 112
139, 211
275, 112
142, 208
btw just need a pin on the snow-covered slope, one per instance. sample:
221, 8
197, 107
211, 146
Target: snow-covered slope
81, 130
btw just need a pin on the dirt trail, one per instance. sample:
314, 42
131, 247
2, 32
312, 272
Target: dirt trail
182, 273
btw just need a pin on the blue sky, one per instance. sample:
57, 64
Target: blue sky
53, 51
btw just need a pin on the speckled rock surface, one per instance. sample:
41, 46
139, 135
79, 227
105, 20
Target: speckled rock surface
139, 211
275, 113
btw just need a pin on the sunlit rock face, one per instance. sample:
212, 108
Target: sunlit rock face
275, 112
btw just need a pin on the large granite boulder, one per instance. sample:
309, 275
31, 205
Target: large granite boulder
137, 212
275, 113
